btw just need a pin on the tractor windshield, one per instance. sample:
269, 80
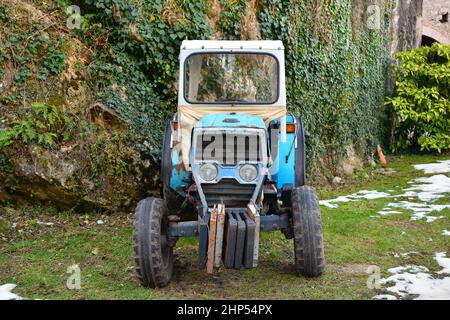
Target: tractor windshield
231, 78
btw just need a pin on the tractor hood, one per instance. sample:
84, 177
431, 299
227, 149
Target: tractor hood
231, 120
221, 116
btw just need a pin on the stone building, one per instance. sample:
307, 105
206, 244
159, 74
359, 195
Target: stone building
406, 25
435, 21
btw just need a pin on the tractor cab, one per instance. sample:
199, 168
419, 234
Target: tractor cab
233, 157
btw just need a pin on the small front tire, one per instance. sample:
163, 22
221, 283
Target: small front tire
308, 235
153, 252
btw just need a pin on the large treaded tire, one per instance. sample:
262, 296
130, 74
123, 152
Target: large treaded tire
308, 235
153, 256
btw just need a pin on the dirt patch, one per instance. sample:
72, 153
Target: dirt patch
403, 224
348, 268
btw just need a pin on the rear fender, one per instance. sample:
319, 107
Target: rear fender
284, 155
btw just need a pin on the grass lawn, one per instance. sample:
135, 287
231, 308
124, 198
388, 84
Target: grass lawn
36, 256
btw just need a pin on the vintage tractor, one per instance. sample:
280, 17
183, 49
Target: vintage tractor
235, 160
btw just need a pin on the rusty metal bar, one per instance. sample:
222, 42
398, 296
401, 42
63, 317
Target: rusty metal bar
191, 228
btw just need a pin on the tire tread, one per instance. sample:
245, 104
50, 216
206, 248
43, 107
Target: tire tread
148, 257
308, 234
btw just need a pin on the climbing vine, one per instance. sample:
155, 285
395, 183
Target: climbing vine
335, 75
230, 18
126, 54
136, 69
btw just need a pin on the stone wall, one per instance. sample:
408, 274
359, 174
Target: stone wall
406, 27
436, 24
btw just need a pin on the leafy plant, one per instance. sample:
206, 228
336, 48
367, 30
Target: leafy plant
4, 12
5, 165
230, 18
110, 154
42, 124
422, 99
54, 60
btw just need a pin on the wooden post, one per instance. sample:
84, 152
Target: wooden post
219, 235
254, 214
211, 241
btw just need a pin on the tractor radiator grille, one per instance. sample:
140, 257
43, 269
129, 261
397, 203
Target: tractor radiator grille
228, 148
228, 191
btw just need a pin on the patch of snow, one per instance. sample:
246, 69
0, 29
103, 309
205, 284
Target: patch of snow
6, 294
363, 194
41, 223
426, 190
385, 297
430, 188
385, 212
444, 262
446, 233
410, 268
417, 281
407, 254
420, 210
440, 167
328, 204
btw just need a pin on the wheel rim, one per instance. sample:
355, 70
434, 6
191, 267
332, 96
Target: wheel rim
165, 247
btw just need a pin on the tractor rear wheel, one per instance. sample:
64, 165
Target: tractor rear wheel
308, 235
153, 250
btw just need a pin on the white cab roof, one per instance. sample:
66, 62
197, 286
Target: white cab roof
232, 45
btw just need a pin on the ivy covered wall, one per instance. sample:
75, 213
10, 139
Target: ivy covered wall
125, 58
336, 65
336, 72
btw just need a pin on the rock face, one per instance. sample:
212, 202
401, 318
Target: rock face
352, 162
96, 165
436, 20
406, 25
61, 178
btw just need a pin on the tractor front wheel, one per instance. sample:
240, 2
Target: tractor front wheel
308, 236
153, 250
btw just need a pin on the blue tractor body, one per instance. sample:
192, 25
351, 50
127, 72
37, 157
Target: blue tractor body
282, 169
233, 165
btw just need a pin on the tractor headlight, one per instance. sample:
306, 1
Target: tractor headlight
208, 171
248, 172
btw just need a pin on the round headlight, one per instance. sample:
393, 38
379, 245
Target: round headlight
208, 171
248, 172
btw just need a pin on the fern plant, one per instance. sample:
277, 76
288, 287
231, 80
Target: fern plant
42, 124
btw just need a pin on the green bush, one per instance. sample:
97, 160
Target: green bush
421, 101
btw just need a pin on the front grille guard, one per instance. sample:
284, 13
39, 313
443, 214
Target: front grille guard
262, 166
